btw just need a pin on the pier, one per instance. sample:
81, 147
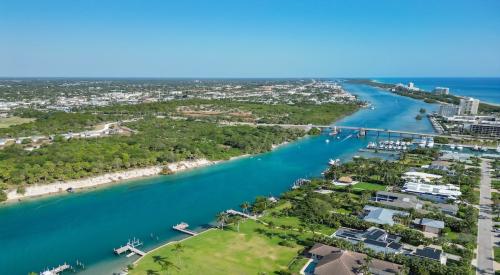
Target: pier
182, 227
56, 270
131, 247
239, 213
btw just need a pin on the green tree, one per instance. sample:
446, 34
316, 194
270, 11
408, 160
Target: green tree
222, 218
244, 206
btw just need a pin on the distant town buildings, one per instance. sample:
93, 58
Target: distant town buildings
71, 95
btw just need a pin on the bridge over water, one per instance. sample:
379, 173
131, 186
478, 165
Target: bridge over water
363, 131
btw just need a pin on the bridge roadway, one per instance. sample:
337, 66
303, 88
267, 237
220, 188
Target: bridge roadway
357, 128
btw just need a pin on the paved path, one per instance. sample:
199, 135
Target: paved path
484, 234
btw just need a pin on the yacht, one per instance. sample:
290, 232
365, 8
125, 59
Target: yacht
422, 143
333, 162
430, 142
498, 149
484, 149
476, 148
452, 146
460, 147
327, 141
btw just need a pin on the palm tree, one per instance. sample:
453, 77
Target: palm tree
178, 249
222, 218
365, 267
167, 265
245, 206
237, 219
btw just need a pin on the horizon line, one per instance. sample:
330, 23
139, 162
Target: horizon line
233, 77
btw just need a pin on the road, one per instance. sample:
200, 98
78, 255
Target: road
485, 226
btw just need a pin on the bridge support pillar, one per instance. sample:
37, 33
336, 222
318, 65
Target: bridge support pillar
362, 132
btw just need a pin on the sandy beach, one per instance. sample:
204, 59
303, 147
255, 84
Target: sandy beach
115, 177
60, 187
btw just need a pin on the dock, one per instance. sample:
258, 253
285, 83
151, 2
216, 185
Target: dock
131, 247
239, 213
182, 227
56, 270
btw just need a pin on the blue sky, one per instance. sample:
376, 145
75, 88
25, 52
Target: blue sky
240, 38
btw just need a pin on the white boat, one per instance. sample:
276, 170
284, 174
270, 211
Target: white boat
430, 142
484, 149
476, 148
498, 149
422, 143
460, 147
333, 162
327, 141
452, 146
404, 147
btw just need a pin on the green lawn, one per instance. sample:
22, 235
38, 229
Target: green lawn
9, 121
223, 252
497, 254
369, 186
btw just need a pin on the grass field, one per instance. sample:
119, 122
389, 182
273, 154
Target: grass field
369, 186
9, 121
497, 253
222, 252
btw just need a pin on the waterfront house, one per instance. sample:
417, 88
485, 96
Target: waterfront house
381, 215
447, 208
437, 193
429, 225
398, 200
332, 260
344, 181
420, 177
374, 238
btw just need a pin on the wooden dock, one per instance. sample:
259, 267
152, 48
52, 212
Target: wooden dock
182, 227
56, 270
239, 213
131, 247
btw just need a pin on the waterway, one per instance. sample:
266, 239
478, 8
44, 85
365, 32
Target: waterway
86, 226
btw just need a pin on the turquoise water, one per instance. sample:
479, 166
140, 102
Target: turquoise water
86, 226
485, 89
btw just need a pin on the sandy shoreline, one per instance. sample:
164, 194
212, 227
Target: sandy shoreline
60, 187
109, 178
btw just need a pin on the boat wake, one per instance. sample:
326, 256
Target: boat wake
346, 138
